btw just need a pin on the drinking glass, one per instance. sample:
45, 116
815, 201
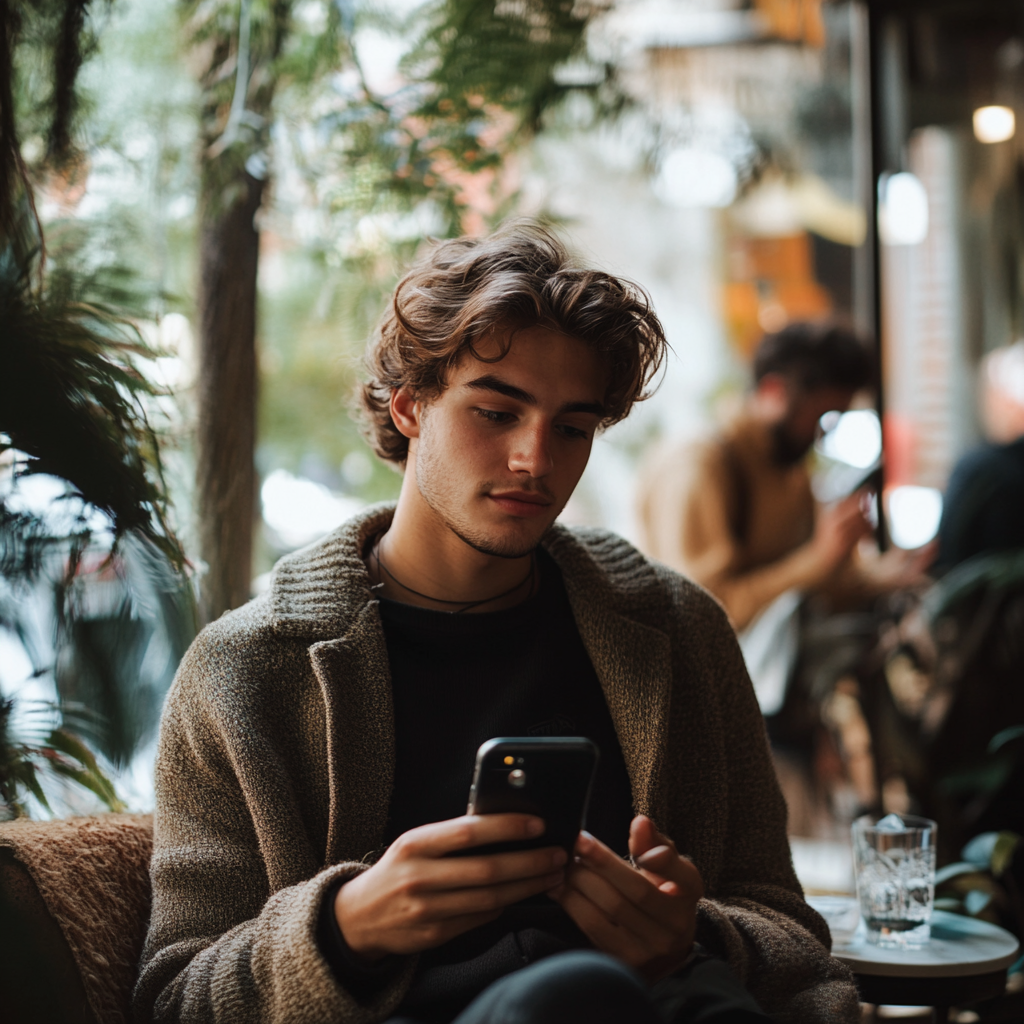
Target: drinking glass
894, 859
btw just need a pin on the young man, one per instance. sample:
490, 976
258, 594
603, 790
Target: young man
317, 747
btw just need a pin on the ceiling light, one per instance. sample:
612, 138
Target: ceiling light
902, 210
994, 124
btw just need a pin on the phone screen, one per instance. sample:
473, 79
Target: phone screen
550, 778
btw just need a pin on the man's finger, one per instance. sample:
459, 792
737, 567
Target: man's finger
491, 869
441, 837
644, 836
620, 912
664, 862
637, 889
460, 902
594, 923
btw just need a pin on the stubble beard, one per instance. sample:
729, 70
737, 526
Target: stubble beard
445, 505
787, 451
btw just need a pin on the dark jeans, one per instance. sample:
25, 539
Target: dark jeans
584, 987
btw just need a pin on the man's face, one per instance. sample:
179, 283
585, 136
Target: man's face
500, 450
798, 429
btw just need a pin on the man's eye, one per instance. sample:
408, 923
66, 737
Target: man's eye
573, 432
493, 416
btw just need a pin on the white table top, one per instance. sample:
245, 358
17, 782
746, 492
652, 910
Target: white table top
960, 946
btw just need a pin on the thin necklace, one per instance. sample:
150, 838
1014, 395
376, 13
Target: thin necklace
466, 605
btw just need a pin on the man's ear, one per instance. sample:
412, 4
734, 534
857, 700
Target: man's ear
773, 395
405, 412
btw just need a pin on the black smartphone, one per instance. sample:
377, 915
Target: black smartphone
550, 777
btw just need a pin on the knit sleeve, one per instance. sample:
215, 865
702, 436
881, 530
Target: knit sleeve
228, 941
356, 976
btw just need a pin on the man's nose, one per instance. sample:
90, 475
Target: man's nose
531, 451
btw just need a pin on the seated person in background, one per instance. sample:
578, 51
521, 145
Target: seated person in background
317, 745
983, 510
736, 513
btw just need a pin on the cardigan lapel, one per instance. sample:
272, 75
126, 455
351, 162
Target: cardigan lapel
322, 593
633, 662
356, 684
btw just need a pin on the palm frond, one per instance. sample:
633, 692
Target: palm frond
27, 761
72, 399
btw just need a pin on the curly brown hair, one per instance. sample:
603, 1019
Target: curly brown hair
521, 276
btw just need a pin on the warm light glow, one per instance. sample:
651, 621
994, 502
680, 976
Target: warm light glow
994, 124
509, 759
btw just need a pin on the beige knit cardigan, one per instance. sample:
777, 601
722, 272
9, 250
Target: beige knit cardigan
276, 762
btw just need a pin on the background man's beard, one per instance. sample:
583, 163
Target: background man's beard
462, 525
785, 449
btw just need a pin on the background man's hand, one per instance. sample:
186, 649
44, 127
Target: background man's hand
898, 569
837, 530
644, 915
415, 898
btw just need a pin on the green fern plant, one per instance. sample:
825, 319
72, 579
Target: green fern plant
29, 762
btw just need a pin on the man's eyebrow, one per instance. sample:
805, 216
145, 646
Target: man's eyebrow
594, 408
491, 383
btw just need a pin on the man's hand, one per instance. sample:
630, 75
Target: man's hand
415, 898
898, 569
647, 915
837, 531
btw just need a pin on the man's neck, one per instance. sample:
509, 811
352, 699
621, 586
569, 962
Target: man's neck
421, 561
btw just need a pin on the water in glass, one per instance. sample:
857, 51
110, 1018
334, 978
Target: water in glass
895, 864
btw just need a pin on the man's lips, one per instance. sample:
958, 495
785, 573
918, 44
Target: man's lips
521, 503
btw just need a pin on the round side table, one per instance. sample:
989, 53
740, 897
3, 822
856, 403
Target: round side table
965, 962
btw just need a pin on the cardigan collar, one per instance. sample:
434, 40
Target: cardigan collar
320, 590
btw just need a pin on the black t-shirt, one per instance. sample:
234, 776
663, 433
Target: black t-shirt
459, 680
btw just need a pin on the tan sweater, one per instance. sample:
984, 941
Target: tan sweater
276, 762
726, 514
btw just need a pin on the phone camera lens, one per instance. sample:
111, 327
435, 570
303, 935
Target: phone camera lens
517, 778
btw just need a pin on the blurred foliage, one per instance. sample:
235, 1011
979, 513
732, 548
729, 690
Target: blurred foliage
513, 54
72, 399
982, 883
91, 583
27, 763
72, 402
941, 692
42, 46
121, 631
313, 325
